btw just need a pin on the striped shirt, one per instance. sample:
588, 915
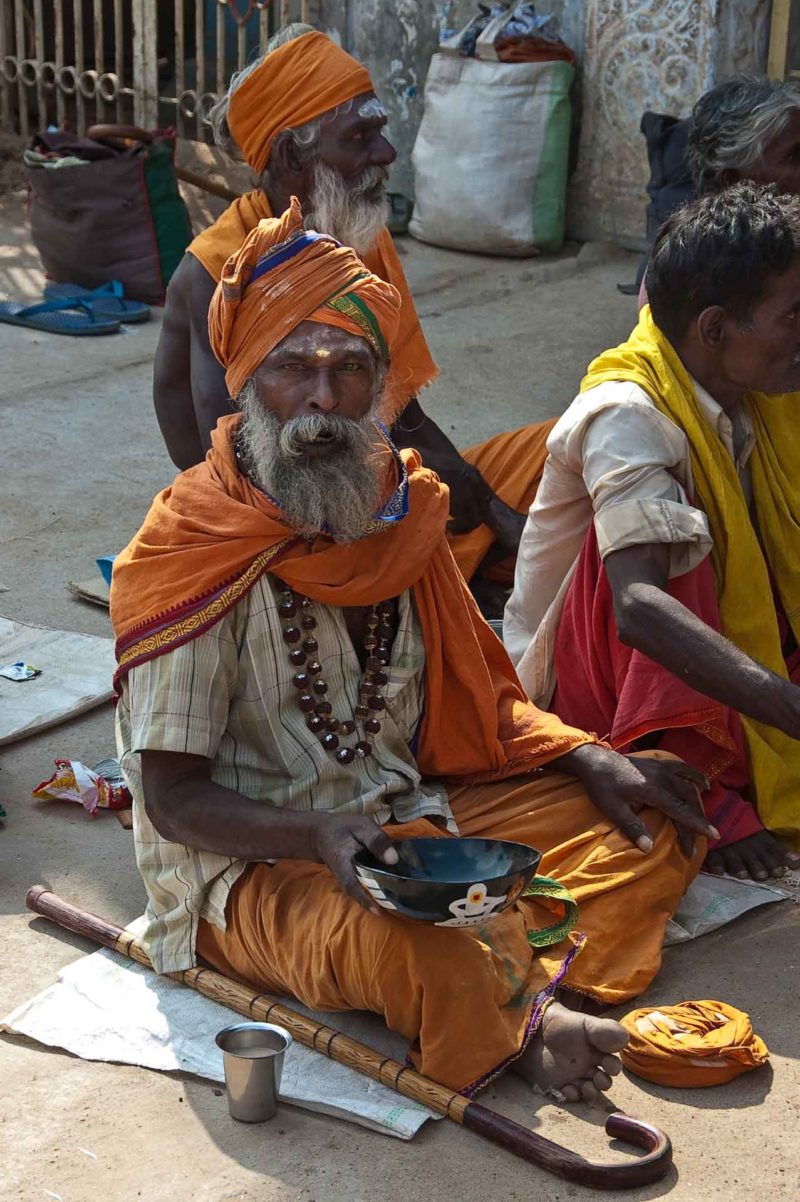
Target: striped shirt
228, 695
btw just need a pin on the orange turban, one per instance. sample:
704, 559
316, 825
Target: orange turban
282, 275
294, 84
691, 1045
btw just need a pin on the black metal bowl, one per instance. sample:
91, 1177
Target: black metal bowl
450, 882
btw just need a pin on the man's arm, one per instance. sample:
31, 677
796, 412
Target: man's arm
189, 389
472, 501
660, 627
186, 806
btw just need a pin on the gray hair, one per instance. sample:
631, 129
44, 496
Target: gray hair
305, 137
734, 123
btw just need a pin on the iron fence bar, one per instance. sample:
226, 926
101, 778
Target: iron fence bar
41, 95
145, 63
5, 87
80, 102
61, 107
22, 96
119, 55
200, 58
180, 65
263, 27
220, 46
241, 46
99, 59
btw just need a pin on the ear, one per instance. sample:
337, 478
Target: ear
710, 327
283, 159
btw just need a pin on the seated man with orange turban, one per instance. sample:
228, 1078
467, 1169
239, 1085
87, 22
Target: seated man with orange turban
303, 674
308, 123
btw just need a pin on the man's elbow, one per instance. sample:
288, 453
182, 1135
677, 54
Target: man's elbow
632, 616
160, 815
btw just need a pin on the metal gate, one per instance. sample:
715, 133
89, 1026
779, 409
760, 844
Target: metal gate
73, 63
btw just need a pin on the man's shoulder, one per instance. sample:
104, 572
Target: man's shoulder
614, 405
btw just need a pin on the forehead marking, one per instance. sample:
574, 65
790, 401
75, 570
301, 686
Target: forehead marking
372, 108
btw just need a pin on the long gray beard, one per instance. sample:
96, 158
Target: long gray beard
344, 212
338, 494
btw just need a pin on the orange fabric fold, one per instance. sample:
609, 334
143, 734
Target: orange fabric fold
692, 1045
280, 276
209, 537
295, 83
412, 367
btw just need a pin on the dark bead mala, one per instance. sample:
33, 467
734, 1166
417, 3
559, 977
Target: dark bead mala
296, 614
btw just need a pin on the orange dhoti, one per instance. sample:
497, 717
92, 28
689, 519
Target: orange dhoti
467, 999
512, 466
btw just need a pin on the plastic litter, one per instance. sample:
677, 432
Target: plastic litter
19, 671
73, 781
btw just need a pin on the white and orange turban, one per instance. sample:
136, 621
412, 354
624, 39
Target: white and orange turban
283, 274
295, 83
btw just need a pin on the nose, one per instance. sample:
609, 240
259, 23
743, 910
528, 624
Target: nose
383, 154
322, 397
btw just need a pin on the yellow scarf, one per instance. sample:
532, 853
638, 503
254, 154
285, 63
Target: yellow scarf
747, 611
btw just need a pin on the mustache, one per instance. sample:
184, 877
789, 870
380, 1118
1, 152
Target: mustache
296, 433
368, 181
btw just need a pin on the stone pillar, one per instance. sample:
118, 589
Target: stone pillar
647, 54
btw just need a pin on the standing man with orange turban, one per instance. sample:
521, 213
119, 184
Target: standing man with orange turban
308, 123
303, 674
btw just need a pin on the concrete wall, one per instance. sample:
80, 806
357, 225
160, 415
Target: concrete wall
633, 55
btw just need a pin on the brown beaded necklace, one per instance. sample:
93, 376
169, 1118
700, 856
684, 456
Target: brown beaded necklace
299, 623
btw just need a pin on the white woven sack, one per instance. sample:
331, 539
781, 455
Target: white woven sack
490, 157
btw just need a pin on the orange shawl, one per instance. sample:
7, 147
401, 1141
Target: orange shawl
412, 366
208, 538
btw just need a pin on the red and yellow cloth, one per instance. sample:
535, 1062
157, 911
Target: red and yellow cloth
282, 275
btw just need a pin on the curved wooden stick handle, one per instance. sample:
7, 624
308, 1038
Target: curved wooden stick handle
338, 1046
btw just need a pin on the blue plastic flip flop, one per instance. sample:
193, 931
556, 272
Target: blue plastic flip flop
106, 301
57, 317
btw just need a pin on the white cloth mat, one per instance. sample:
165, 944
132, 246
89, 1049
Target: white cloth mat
77, 674
103, 1007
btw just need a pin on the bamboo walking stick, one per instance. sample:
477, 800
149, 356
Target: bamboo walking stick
337, 1046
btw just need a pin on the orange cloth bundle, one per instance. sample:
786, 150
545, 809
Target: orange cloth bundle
282, 275
295, 84
691, 1045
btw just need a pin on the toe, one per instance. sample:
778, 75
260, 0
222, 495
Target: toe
588, 1091
601, 1081
605, 1034
571, 1093
611, 1065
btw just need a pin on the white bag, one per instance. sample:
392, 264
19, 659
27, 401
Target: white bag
490, 159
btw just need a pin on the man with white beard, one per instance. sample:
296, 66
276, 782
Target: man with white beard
308, 122
303, 675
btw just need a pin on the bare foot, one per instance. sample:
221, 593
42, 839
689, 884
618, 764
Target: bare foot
573, 1053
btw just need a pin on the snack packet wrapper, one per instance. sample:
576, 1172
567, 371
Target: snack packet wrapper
73, 781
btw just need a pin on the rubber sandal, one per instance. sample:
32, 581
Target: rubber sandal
106, 301
57, 317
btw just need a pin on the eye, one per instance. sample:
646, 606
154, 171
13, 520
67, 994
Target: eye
350, 366
358, 136
293, 365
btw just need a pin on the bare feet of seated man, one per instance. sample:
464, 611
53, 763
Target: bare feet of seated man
757, 858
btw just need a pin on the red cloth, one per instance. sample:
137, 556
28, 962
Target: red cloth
623, 695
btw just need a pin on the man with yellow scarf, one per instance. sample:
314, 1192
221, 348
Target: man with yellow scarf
657, 590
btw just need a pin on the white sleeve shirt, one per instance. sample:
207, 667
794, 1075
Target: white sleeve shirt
618, 460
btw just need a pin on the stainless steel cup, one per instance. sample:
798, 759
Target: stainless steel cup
253, 1055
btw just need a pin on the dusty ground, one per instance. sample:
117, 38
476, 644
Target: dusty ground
82, 459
